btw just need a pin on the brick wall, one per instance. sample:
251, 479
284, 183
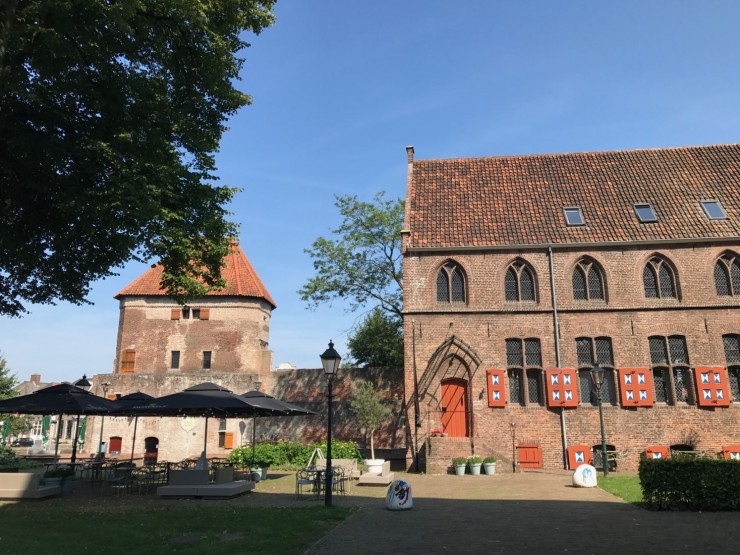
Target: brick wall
464, 341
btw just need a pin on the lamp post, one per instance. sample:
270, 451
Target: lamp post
105, 386
597, 379
330, 360
82, 383
513, 447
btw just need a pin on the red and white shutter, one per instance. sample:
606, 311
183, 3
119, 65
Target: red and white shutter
496, 388
636, 387
562, 387
711, 386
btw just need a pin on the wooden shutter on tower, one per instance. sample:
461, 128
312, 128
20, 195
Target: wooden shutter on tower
128, 361
496, 388
229, 440
205, 313
711, 385
562, 387
636, 387
175, 314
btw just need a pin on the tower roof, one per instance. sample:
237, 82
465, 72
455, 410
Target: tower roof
241, 280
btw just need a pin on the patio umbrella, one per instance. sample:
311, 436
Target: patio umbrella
130, 400
206, 399
63, 398
276, 407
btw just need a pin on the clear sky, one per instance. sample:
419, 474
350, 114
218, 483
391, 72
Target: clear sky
340, 88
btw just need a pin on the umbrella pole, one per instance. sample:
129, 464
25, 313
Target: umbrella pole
77, 437
133, 441
254, 437
205, 439
59, 434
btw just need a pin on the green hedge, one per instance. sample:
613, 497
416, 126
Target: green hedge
291, 454
691, 484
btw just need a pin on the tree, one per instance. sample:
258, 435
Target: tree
378, 341
11, 425
111, 113
371, 413
363, 263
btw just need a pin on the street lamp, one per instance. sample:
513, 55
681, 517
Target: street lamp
597, 379
330, 360
513, 447
105, 386
82, 383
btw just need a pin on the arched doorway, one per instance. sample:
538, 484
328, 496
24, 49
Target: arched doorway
455, 407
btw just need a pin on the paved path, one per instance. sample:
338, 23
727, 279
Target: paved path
522, 513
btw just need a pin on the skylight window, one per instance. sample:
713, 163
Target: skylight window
573, 216
645, 213
713, 209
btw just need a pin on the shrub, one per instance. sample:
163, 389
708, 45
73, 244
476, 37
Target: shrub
694, 484
290, 454
489, 460
59, 472
457, 461
475, 459
8, 458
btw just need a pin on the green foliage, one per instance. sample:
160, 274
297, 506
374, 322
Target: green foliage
489, 460
291, 454
371, 413
475, 459
624, 487
8, 458
14, 425
363, 263
8, 381
111, 115
692, 484
459, 461
59, 472
378, 341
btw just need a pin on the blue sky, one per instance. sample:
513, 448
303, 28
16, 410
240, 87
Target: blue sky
340, 88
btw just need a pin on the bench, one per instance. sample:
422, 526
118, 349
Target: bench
25, 485
195, 483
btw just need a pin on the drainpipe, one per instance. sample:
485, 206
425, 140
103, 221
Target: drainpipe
556, 326
417, 412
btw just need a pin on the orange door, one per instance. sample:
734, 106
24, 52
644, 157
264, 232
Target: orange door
454, 408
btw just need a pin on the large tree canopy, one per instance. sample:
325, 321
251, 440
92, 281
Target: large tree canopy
111, 113
378, 341
363, 264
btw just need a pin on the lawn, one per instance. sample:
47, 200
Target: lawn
39, 527
625, 487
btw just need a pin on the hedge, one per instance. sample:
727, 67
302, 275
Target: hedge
291, 454
691, 484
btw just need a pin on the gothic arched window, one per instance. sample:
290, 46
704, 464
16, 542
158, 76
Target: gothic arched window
588, 281
519, 284
658, 279
451, 284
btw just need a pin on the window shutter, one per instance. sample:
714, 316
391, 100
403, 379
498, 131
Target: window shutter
496, 388
128, 362
205, 313
711, 384
229, 440
636, 387
731, 452
175, 314
562, 387
578, 455
657, 452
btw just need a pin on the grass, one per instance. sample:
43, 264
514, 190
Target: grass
36, 527
624, 487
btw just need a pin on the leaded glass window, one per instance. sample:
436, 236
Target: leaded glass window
515, 387
519, 283
671, 373
727, 275
732, 348
660, 381
588, 283
658, 279
597, 349
451, 284
733, 373
524, 361
534, 387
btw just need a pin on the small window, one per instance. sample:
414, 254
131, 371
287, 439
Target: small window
713, 209
186, 313
196, 314
573, 216
645, 213
206, 360
175, 360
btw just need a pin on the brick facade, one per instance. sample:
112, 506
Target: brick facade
464, 340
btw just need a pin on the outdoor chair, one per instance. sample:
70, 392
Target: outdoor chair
338, 480
304, 480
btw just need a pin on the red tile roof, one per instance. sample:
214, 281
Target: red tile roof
519, 200
241, 280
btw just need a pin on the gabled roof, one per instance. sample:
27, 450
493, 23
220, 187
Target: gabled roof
519, 200
241, 280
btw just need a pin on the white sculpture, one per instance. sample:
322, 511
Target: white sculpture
584, 476
398, 497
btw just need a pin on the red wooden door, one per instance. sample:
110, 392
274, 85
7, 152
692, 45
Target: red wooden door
455, 408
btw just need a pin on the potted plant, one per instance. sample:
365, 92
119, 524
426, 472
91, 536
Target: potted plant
459, 463
489, 465
371, 413
9, 461
475, 461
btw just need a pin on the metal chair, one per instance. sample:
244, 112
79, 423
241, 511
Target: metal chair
303, 480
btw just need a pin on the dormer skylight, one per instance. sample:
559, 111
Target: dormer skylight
645, 213
573, 216
713, 209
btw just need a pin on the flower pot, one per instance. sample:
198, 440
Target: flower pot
374, 466
475, 469
256, 474
489, 468
264, 472
460, 469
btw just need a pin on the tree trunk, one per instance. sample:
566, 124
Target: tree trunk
372, 445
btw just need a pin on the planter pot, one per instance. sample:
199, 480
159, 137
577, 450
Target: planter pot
264, 472
256, 474
475, 469
460, 469
374, 466
489, 468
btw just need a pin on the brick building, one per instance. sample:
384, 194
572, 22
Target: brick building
523, 272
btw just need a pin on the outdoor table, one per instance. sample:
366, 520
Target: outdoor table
318, 479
